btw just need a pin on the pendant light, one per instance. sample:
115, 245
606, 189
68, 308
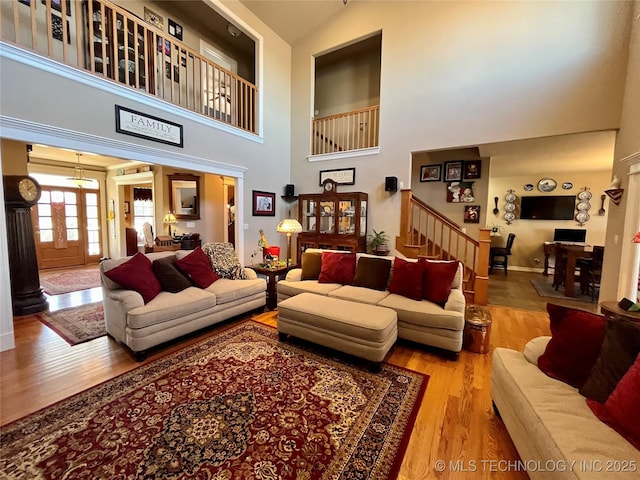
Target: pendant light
79, 179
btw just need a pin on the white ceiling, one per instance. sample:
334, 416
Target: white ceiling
292, 19
69, 156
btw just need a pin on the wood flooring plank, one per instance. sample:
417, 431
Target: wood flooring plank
455, 423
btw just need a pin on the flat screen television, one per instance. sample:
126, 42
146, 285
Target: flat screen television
548, 207
569, 235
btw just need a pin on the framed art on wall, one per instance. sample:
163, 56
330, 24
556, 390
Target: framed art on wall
453, 171
430, 173
472, 214
472, 169
264, 204
342, 176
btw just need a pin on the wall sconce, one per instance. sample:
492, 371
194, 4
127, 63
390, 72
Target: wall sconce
614, 192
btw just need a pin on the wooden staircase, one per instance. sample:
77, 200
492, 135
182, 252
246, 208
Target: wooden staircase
425, 232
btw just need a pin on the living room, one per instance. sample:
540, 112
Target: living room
508, 73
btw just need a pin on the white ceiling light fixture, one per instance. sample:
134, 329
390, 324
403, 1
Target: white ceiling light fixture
233, 30
79, 179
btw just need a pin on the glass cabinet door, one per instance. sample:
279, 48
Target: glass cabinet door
363, 218
308, 215
347, 218
327, 217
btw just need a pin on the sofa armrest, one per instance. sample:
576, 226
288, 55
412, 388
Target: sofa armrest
294, 275
456, 301
251, 273
534, 348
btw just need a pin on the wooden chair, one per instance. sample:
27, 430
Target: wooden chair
591, 271
499, 256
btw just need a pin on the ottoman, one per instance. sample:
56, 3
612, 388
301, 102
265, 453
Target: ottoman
366, 331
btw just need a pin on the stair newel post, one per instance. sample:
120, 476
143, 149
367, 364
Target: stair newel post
481, 286
404, 217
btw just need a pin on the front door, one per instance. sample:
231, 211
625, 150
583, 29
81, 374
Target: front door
66, 227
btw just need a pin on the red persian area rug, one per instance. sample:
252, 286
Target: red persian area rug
76, 324
238, 405
56, 282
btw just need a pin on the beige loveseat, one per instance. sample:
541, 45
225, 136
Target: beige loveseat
420, 321
554, 430
168, 316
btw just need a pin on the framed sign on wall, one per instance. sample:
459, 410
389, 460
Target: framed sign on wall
342, 176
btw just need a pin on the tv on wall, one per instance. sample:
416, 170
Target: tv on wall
548, 207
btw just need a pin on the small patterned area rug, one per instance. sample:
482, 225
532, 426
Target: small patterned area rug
56, 282
76, 324
545, 289
237, 405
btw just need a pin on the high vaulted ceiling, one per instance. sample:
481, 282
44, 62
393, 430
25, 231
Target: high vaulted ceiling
292, 19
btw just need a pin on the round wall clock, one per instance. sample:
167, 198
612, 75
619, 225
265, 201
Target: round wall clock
547, 185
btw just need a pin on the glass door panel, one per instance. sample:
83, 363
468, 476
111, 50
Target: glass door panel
327, 217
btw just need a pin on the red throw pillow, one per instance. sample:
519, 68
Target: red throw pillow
137, 274
197, 267
437, 280
337, 268
406, 279
621, 411
576, 339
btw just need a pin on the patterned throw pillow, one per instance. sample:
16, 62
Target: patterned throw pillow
224, 260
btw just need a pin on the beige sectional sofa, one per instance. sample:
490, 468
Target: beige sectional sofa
168, 316
418, 320
555, 432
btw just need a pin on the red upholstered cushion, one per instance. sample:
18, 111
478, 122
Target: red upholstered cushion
137, 274
621, 411
437, 280
197, 267
406, 279
576, 339
337, 268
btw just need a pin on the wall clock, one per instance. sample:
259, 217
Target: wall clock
329, 186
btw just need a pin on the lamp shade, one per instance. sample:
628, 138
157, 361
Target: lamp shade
289, 225
169, 219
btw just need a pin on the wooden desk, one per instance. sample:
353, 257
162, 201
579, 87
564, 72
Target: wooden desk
572, 252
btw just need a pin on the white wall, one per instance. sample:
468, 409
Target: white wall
456, 74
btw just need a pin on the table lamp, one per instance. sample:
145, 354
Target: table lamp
169, 219
289, 226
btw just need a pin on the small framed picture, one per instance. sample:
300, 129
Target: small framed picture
174, 29
472, 169
153, 18
472, 214
453, 171
264, 204
56, 5
430, 173
126, 207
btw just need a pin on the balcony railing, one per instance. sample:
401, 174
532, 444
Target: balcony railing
346, 131
110, 42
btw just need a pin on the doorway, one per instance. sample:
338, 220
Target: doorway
67, 227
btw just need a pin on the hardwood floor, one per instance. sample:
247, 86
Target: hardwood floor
456, 421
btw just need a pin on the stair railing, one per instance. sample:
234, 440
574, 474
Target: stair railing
425, 232
346, 131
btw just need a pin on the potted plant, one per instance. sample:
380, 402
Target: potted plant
378, 243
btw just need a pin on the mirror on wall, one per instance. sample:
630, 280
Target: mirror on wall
184, 196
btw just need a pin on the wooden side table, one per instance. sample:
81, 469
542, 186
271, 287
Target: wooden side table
612, 310
273, 275
477, 329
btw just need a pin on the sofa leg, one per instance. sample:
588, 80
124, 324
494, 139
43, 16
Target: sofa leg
282, 336
375, 367
140, 356
495, 410
453, 355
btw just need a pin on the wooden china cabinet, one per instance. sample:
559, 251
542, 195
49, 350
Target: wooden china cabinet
333, 220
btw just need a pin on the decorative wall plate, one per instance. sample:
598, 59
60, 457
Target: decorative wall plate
509, 217
510, 197
547, 185
583, 206
528, 187
567, 186
582, 217
510, 207
584, 195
